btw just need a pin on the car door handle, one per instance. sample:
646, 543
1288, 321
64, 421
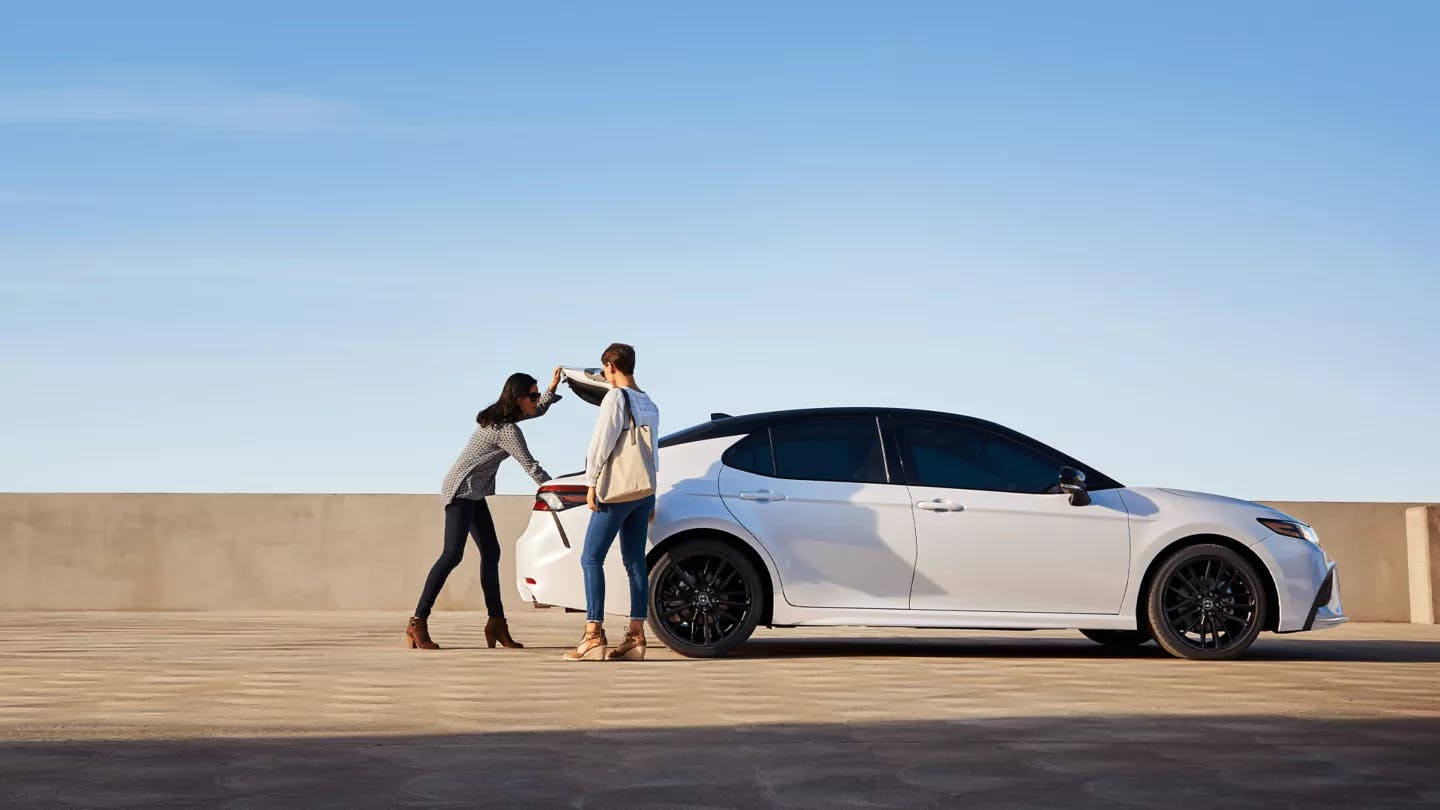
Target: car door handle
762, 495
939, 506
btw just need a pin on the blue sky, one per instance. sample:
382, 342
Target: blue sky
260, 249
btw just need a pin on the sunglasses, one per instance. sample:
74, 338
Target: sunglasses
533, 396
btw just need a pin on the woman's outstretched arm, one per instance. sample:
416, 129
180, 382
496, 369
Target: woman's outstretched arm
512, 441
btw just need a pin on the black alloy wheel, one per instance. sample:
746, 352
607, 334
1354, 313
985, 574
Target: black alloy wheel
1118, 638
1206, 603
705, 598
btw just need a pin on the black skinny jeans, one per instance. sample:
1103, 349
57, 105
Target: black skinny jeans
461, 516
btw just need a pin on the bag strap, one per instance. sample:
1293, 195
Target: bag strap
629, 408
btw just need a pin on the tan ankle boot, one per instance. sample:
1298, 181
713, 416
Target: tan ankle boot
592, 646
631, 649
498, 630
417, 635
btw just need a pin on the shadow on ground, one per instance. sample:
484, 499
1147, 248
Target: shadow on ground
1140, 761
1267, 648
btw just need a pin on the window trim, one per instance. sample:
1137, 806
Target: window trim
769, 439
901, 444
890, 470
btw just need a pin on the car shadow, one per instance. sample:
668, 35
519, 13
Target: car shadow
1267, 648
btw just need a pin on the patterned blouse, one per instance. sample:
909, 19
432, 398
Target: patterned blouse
473, 474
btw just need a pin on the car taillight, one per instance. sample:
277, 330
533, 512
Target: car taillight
559, 497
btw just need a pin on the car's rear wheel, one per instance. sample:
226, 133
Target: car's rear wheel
1206, 603
705, 598
1117, 638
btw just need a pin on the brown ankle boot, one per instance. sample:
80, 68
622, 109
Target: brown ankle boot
631, 649
592, 646
417, 635
498, 630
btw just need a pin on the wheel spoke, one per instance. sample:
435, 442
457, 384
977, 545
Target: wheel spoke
1178, 590
725, 572
1191, 620
1194, 586
1229, 574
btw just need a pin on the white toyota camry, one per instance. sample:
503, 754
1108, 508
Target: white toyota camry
897, 518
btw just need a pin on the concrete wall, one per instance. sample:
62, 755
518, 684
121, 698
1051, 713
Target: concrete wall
1369, 542
1422, 524
237, 552
369, 552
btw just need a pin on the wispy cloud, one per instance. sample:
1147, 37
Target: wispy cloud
217, 110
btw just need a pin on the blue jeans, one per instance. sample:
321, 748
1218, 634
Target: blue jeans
632, 522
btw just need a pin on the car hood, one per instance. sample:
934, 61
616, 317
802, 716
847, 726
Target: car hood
1190, 498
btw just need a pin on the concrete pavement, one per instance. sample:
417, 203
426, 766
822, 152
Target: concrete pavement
328, 709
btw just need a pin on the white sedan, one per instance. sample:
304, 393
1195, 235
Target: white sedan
898, 518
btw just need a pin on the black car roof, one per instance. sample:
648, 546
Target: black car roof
724, 425
749, 423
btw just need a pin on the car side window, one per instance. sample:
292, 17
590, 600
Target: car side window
752, 454
834, 449
938, 453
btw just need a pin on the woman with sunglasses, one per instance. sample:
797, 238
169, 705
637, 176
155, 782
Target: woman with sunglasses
470, 479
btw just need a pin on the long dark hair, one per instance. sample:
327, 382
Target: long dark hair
507, 407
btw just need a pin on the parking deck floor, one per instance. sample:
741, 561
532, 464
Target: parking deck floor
330, 709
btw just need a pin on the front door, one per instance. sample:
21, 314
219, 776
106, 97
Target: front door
992, 535
817, 493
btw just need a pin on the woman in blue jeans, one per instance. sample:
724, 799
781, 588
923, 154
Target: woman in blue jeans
630, 520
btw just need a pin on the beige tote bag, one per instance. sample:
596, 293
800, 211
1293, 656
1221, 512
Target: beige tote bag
629, 474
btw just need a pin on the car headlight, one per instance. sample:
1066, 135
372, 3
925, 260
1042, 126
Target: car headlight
1291, 528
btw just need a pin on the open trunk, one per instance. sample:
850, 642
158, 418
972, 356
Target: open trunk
587, 383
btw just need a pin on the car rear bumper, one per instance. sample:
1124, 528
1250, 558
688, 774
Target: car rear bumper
547, 563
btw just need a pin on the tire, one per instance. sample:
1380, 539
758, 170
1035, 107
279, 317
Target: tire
1206, 603
705, 598
1118, 638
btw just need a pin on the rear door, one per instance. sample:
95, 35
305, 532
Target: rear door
819, 494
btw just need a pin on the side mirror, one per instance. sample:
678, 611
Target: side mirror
1072, 483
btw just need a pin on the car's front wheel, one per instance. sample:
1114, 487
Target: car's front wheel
705, 598
1206, 603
